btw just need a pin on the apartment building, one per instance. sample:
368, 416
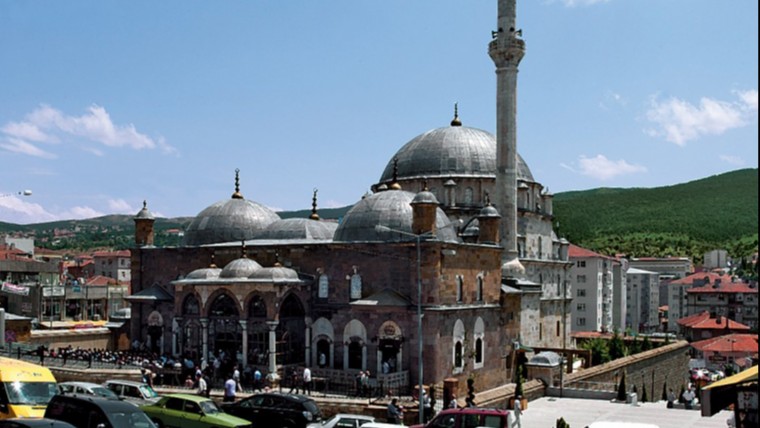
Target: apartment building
642, 300
113, 264
676, 290
735, 300
592, 279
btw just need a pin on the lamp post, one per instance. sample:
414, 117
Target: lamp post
417, 238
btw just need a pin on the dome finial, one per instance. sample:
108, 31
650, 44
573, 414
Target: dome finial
488, 199
212, 265
424, 184
394, 184
456, 121
237, 194
314, 215
243, 250
145, 204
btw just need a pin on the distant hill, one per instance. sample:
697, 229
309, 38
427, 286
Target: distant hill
720, 211
687, 219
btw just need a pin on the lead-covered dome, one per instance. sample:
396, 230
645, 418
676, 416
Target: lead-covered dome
240, 268
234, 219
451, 151
390, 209
298, 228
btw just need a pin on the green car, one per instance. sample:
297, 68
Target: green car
191, 411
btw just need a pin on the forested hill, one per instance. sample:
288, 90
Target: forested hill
687, 219
720, 211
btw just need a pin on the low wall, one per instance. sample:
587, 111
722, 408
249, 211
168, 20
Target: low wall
91, 338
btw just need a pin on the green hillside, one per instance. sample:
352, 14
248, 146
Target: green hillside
681, 220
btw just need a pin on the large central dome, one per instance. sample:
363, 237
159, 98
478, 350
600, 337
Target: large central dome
451, 151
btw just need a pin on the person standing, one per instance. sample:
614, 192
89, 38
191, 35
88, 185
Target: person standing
257, 379
322, 360
394, 412
453, 404
202, 386
307, 381
671, 398
293, 381
230, 388
236, 377
518, 411
427, 407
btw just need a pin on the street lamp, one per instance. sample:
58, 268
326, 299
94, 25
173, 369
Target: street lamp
417, 238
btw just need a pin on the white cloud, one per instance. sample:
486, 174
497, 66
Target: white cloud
733, 160
15, 210
601, 168
120, 206
20, 146
77, 213
678, 121
47, 124
611, 99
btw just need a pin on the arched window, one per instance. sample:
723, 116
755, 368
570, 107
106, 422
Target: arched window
458, 360
478, 334
190, 306
460, 288
355, 355
356, 286
458, 349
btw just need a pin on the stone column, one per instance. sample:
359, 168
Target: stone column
244, 327
176, 331
204, 338
364, 356
307, 350
273, 347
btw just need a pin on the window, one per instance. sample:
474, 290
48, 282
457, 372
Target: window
581, 321
460, 288
479, 351
558, 329
323, 290
580, 279
458, 363
581, 263
479, 291
581, 307
581, 292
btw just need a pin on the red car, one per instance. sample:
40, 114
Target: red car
468, 417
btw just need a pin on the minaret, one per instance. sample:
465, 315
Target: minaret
506, 51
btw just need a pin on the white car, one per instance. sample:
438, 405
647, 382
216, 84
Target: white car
86, 388
343, 420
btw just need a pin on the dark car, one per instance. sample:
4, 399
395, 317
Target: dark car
34, 423
87, 411
276, 410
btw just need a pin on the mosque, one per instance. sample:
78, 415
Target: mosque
456, 229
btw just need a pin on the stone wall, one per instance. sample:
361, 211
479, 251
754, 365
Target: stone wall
91, 338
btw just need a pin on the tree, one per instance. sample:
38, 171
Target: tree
519, 384
616, 346
621, 394
664, 396
644, 397
562, 424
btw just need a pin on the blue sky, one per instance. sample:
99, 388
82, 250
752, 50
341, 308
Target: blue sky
104, 104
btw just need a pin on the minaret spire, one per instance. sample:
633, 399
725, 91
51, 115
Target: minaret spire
314, 215
506, 51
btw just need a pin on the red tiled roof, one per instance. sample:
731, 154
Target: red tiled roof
731, 287
590, 334
120, 253
100, 280
700, 276
729, 343
702, 320
580, 252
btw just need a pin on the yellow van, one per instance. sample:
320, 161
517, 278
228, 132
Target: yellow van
25, 389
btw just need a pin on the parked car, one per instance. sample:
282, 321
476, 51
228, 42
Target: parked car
86, 388
90, 411
343, 420
34, 423
468, 417
380, 425
191, 411
276, 410
138, 393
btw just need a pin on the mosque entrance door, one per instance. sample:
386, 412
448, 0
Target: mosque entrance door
291, 337
389, 350
224, 333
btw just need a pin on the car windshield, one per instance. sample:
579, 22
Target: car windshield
29, 393
104, 392
130, 420
148, 392
209, 407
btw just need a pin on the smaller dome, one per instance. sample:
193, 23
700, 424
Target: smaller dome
425, 197
240, 268
204, 273
513, 269
144, 213
489, 211
275, 274
546, 359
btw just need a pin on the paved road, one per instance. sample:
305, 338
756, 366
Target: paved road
544, 412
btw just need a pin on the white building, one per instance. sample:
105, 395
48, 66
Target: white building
642, 300
715, 259
114, 264
592, 278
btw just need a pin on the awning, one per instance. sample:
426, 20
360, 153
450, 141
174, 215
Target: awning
152, 294
721, 394
745, 376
